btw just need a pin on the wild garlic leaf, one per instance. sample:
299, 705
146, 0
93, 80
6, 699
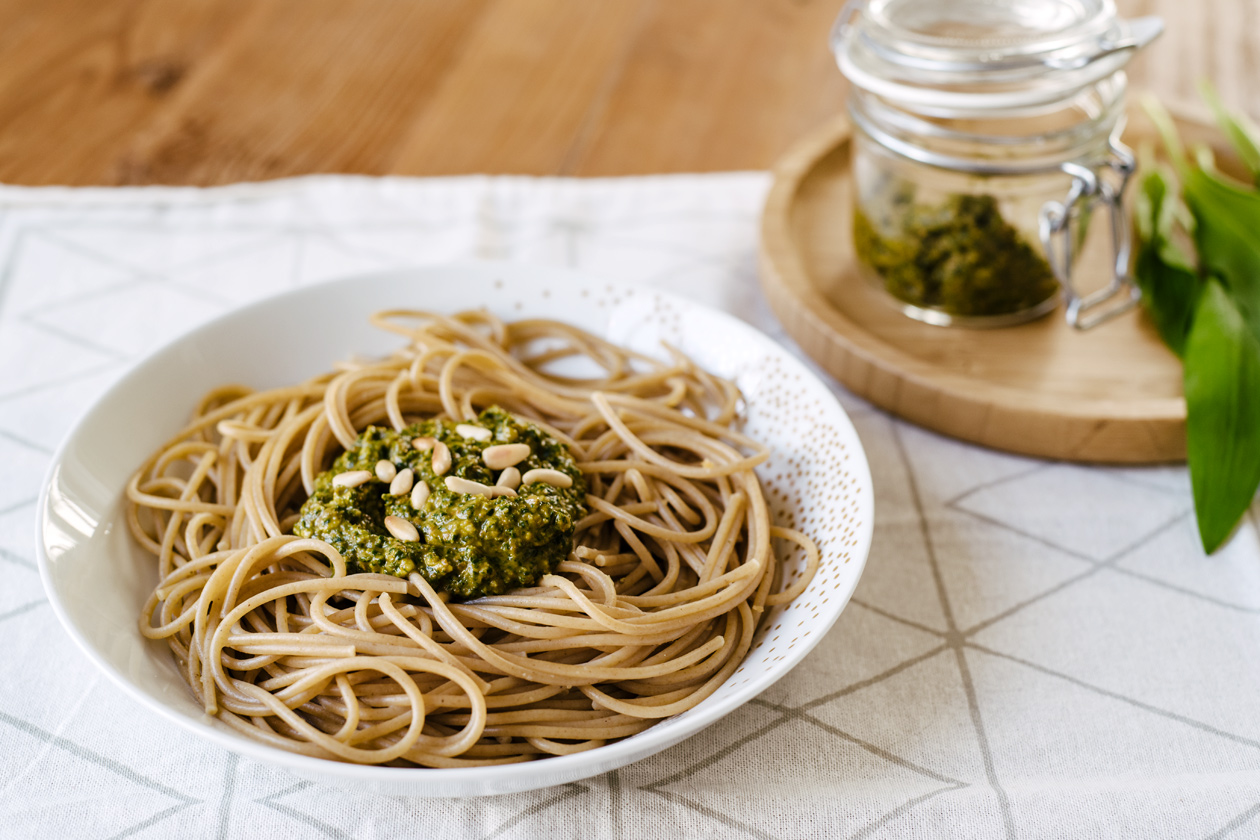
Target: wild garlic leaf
1222, 386
1227, 237
1221, 351
1170, 286
1242, 133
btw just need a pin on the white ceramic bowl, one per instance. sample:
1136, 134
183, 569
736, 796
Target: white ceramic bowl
97, 579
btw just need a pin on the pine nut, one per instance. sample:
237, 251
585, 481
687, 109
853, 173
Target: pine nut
505, 455
468, 430
441, 458
462, 485
509, 478
401, 485
385, 470
353, 478
553, 477
420, 495
423, 444
402, 529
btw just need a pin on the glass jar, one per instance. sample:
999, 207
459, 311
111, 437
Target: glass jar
986, 137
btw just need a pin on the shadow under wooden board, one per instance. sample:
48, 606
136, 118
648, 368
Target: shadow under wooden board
1108, 395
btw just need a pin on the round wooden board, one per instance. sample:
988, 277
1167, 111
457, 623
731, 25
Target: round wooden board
1110, 394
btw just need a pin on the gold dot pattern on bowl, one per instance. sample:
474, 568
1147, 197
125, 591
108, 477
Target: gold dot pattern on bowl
809, 482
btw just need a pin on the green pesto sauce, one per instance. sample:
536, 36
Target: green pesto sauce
470, 545
960, 257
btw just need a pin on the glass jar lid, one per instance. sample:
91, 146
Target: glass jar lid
978, 56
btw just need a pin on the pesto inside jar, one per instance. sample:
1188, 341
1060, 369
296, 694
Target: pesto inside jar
470, 545
960, 257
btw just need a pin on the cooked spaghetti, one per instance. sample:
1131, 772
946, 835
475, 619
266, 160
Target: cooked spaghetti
649, 607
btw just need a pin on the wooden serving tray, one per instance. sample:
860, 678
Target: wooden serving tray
1110, 394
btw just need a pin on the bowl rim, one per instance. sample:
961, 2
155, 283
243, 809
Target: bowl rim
609, 756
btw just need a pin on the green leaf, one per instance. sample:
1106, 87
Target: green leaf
1222, 384
1170, 287
1167, 131
1215, 327
1227, 236
1242, 133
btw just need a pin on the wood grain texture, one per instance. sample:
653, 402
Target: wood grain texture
1111, 394
215, 91
283, 101
706, 90
522, 104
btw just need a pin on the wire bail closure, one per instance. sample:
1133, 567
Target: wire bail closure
1062, 227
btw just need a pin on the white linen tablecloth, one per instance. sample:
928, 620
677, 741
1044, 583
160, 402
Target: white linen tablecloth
1036, 649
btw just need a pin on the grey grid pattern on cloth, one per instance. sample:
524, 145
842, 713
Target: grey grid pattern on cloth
1036, 649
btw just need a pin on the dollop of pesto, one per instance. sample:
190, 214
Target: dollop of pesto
470, 545
960, 257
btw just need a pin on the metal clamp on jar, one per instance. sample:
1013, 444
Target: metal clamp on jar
981, 128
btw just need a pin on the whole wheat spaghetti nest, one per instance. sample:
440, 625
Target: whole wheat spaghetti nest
671, 567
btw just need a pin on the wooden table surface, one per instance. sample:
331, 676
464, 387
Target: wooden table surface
214, 91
